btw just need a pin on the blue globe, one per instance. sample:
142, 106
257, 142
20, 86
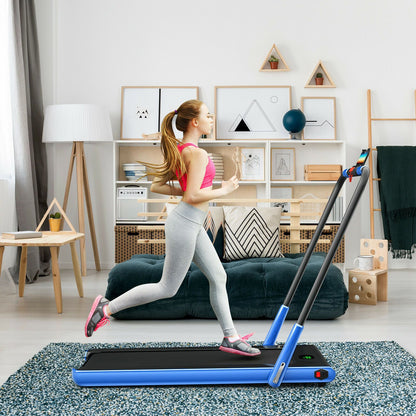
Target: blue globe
294, 121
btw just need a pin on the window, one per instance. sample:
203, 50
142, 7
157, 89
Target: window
6, 133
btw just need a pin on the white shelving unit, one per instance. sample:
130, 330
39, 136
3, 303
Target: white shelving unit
306, 152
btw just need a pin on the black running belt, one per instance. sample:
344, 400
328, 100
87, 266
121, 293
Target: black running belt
204, 357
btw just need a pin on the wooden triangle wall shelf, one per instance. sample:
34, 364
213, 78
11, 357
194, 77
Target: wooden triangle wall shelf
327, 83
282, 66
55, 202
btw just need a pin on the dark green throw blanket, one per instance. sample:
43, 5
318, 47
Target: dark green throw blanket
396, 167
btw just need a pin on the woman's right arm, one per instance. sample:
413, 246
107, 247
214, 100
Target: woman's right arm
196, 161
161, 187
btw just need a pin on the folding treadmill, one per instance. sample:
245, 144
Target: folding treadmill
291, 363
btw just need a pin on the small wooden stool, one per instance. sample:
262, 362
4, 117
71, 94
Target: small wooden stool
369, 286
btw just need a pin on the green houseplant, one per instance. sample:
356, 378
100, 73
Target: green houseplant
274, 62
319, 79
55, 222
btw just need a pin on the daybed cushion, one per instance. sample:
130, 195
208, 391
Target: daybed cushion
256, 289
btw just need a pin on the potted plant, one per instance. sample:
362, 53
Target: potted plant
319, 79
274, 62
55, 222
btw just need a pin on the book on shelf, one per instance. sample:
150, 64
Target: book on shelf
18, 235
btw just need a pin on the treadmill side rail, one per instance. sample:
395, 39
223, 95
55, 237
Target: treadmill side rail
201, 376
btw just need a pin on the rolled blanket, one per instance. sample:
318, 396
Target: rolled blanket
396, 167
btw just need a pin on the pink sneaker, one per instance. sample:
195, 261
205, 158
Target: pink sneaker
96, 318
240, 346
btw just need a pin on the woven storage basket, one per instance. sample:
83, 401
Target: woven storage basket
127, 235
126, 245
325, 235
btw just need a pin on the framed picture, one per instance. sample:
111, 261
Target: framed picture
282, 192
252, 164
143, 108
283, 164
320, 118
252, 112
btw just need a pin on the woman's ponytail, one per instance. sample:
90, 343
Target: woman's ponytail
169, 145
173, 164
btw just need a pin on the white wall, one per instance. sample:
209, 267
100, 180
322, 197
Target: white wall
89, 49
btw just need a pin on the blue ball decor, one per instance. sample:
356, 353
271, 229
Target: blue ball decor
294, 121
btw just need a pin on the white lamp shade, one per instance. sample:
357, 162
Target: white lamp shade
76, 122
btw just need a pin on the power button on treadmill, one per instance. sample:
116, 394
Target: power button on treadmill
321, 374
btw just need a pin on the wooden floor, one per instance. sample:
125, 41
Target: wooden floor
31, 322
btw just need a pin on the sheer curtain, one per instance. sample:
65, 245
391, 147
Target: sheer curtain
6, 137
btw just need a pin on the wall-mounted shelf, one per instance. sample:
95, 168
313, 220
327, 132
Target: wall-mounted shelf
327, 80
282, 66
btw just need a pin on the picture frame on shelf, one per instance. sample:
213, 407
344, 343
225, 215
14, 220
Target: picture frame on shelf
320, 113
282, 192
282, 164
252, 112
252, 164
143, 109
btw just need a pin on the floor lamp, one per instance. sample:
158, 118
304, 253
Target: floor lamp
78, 123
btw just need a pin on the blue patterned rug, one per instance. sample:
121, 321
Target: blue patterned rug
373, 378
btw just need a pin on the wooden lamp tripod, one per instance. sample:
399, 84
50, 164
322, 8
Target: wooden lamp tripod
70, 123
78, 156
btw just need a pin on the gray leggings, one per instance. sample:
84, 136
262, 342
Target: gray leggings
186, 241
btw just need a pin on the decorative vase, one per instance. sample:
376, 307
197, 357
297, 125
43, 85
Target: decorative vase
319, 81
55, 224
274, 64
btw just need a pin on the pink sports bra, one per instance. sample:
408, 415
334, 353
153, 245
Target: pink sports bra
209, 171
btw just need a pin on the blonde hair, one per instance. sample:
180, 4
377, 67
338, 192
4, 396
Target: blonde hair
172, 160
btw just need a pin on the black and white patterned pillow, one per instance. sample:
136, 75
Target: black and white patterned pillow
251, 232
214, 226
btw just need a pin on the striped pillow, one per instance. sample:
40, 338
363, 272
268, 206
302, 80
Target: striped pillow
251, 232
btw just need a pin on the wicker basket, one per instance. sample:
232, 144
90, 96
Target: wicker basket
126, 245
127, 235
320, 247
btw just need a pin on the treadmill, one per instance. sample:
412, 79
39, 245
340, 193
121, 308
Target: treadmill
290, 363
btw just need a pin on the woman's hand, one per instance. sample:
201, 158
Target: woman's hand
231, 185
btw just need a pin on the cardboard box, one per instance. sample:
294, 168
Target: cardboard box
322, 172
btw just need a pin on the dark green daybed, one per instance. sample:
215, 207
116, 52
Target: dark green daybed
256, 289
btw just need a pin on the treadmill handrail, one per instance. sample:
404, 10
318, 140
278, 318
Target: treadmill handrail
285, 356
273, 333
364, 173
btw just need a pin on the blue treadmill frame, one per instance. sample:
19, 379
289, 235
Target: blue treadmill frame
148, 367
281, 371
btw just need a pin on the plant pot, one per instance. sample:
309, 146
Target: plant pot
55, 224
319, 81
274, 65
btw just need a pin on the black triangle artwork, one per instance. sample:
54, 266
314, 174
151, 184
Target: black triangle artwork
242, 126
254, 119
